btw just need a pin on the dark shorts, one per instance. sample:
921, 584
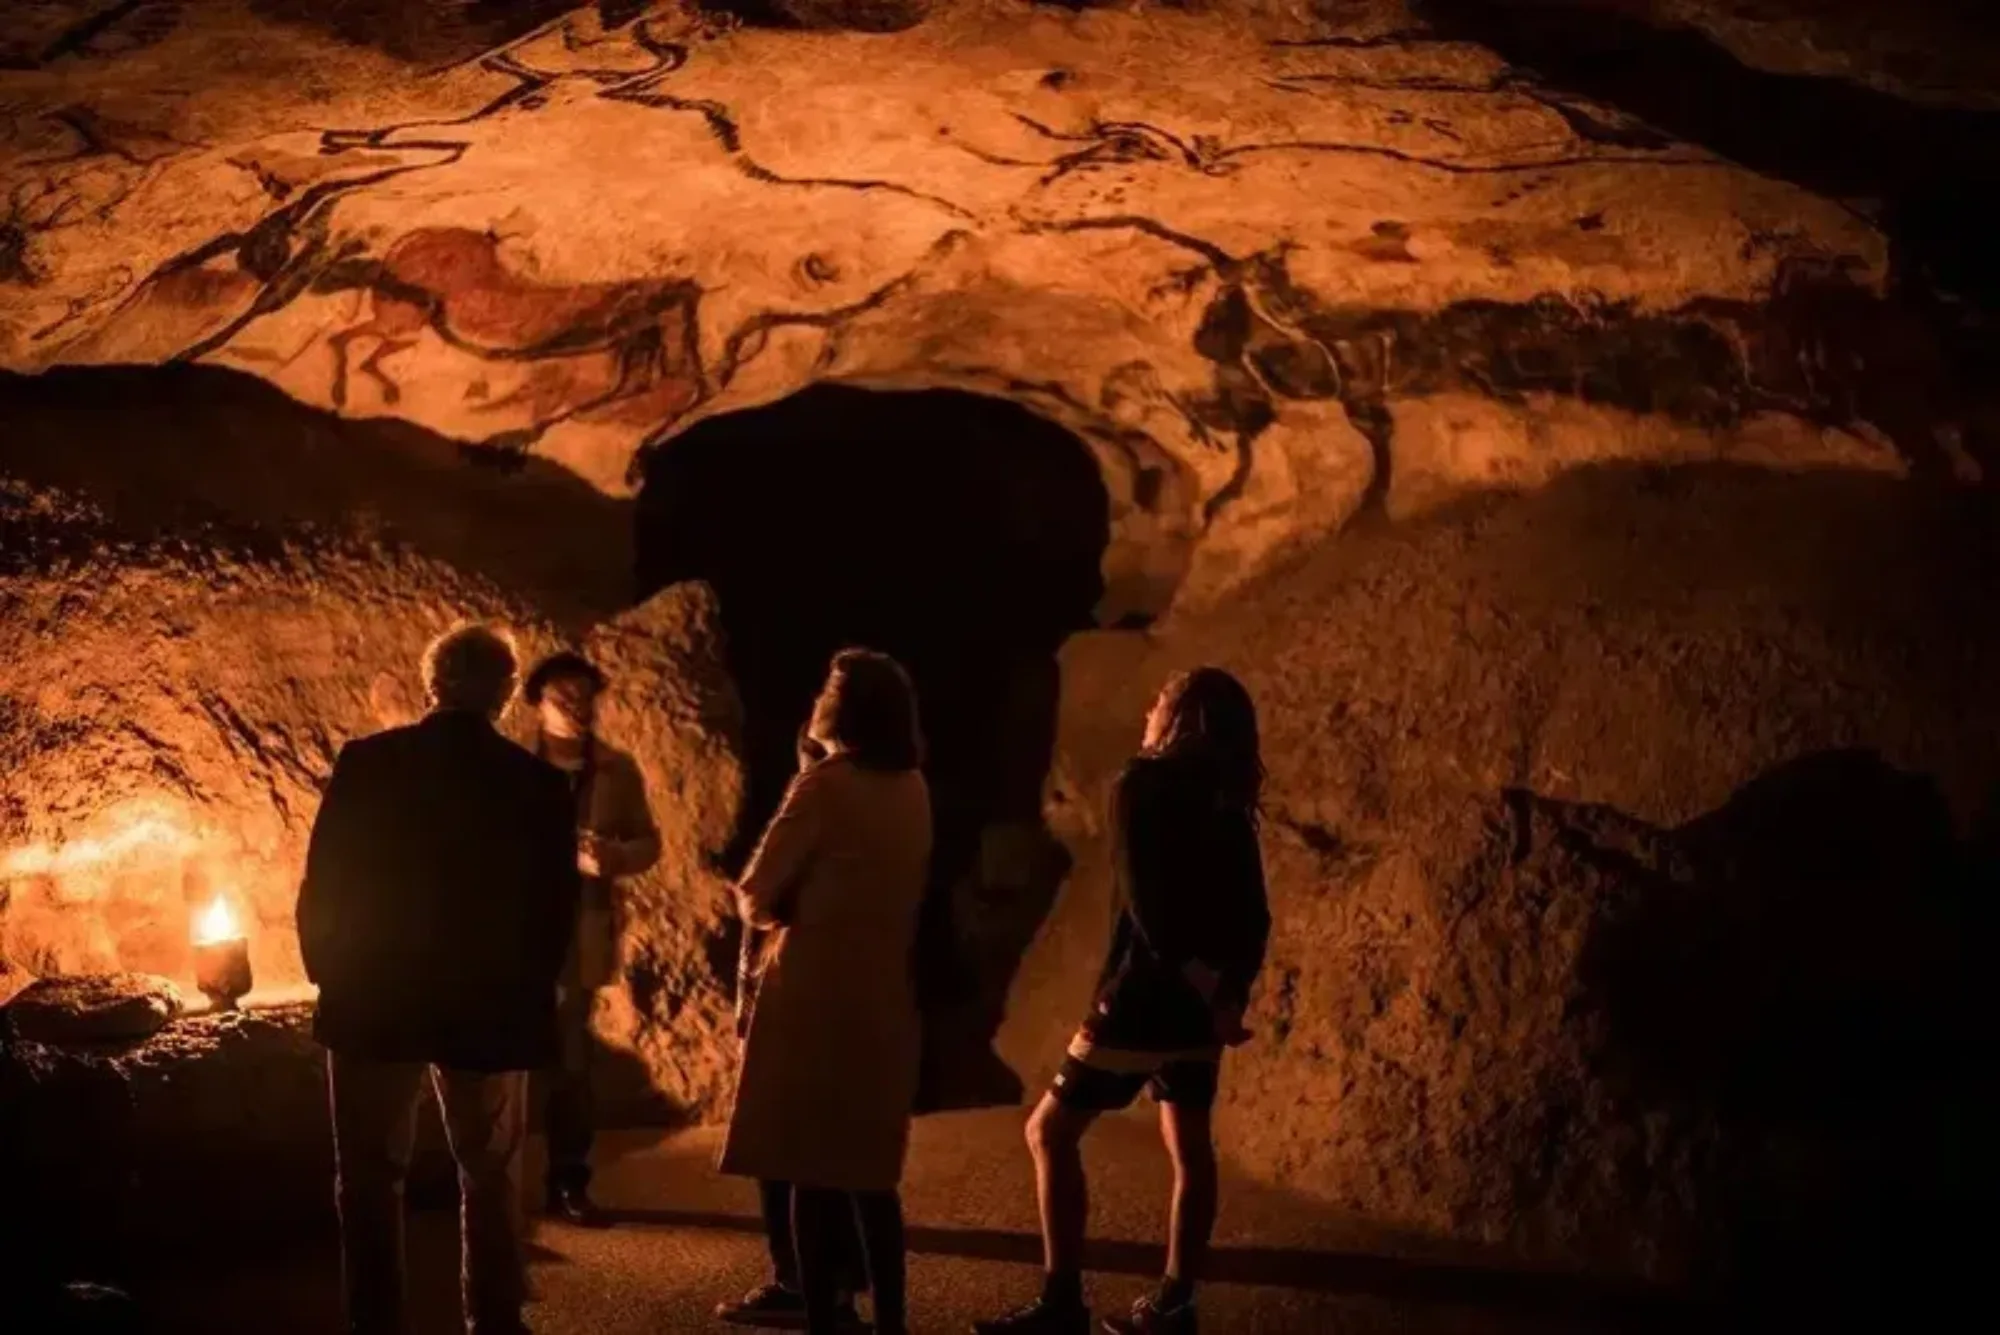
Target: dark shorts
1185, 1084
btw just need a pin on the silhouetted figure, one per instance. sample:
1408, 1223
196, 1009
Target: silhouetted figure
439, 899
616, 837
1188, 942
830, 1059
782, 1301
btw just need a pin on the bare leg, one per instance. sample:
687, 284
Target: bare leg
1055, 1138
1190, 1140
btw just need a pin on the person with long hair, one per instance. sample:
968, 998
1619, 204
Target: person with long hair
780, 1304
832, 1043
1187, 945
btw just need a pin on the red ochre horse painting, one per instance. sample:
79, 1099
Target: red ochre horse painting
631, 348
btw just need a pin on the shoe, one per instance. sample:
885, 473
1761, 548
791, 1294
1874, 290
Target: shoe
1150, 1316
775, 1307
573, 1205
1038, 1318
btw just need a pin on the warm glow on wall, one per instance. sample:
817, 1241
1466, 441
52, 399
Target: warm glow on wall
148, 883
142, 836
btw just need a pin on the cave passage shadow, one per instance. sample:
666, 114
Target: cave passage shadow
1933, 170
965, 536
1799, 968
1927, 175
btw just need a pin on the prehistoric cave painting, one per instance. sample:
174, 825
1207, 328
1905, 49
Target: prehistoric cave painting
451, 282
1822, 347
70, 166
267, 265
623, 64
594, 346
1589, 122
1598, 137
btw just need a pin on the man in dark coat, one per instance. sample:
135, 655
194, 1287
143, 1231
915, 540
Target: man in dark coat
440, 894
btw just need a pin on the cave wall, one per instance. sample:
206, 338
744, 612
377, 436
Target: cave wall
197, 611
1612, 834
1283, 268
1238, 249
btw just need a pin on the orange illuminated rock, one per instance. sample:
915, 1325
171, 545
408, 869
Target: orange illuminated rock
95, 1008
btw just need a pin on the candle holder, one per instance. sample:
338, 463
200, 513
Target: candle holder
222, 971
221, 956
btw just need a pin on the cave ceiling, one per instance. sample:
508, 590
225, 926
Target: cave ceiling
1253, 253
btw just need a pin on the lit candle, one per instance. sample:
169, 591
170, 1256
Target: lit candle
221, 955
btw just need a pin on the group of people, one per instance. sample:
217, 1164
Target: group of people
456, 915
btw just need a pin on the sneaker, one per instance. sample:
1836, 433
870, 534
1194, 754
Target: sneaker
573, 1205
1038, 1318
1150, 1316
775, 1307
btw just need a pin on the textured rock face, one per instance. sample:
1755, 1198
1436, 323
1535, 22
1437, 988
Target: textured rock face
214, 1127
94, 1008
198, 619
170, 713
671, 704
1689, 992
1282, 268
194, 622
1234, 248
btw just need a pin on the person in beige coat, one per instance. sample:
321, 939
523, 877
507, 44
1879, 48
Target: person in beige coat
829, 1074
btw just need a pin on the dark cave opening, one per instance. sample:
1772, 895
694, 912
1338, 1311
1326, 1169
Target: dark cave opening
963, 534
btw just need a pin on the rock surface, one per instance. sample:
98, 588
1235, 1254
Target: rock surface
189, 636
1286, 270
215, 1127
1233, 247
278, 605
671, 704
1691, 1000
93, 1008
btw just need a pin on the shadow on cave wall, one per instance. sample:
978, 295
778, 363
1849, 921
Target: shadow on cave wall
432, 32
964, 535
1932, 171
1928, 175
1792, 977
182, 452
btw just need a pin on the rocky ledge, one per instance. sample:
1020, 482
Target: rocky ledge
215, 1125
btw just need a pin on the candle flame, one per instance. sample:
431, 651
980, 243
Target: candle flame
216, 923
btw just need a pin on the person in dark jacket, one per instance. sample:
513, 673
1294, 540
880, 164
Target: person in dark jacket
1187, 944
439, 897
616, 838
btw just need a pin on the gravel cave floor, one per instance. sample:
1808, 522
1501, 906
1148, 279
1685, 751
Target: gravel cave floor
687, 1237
